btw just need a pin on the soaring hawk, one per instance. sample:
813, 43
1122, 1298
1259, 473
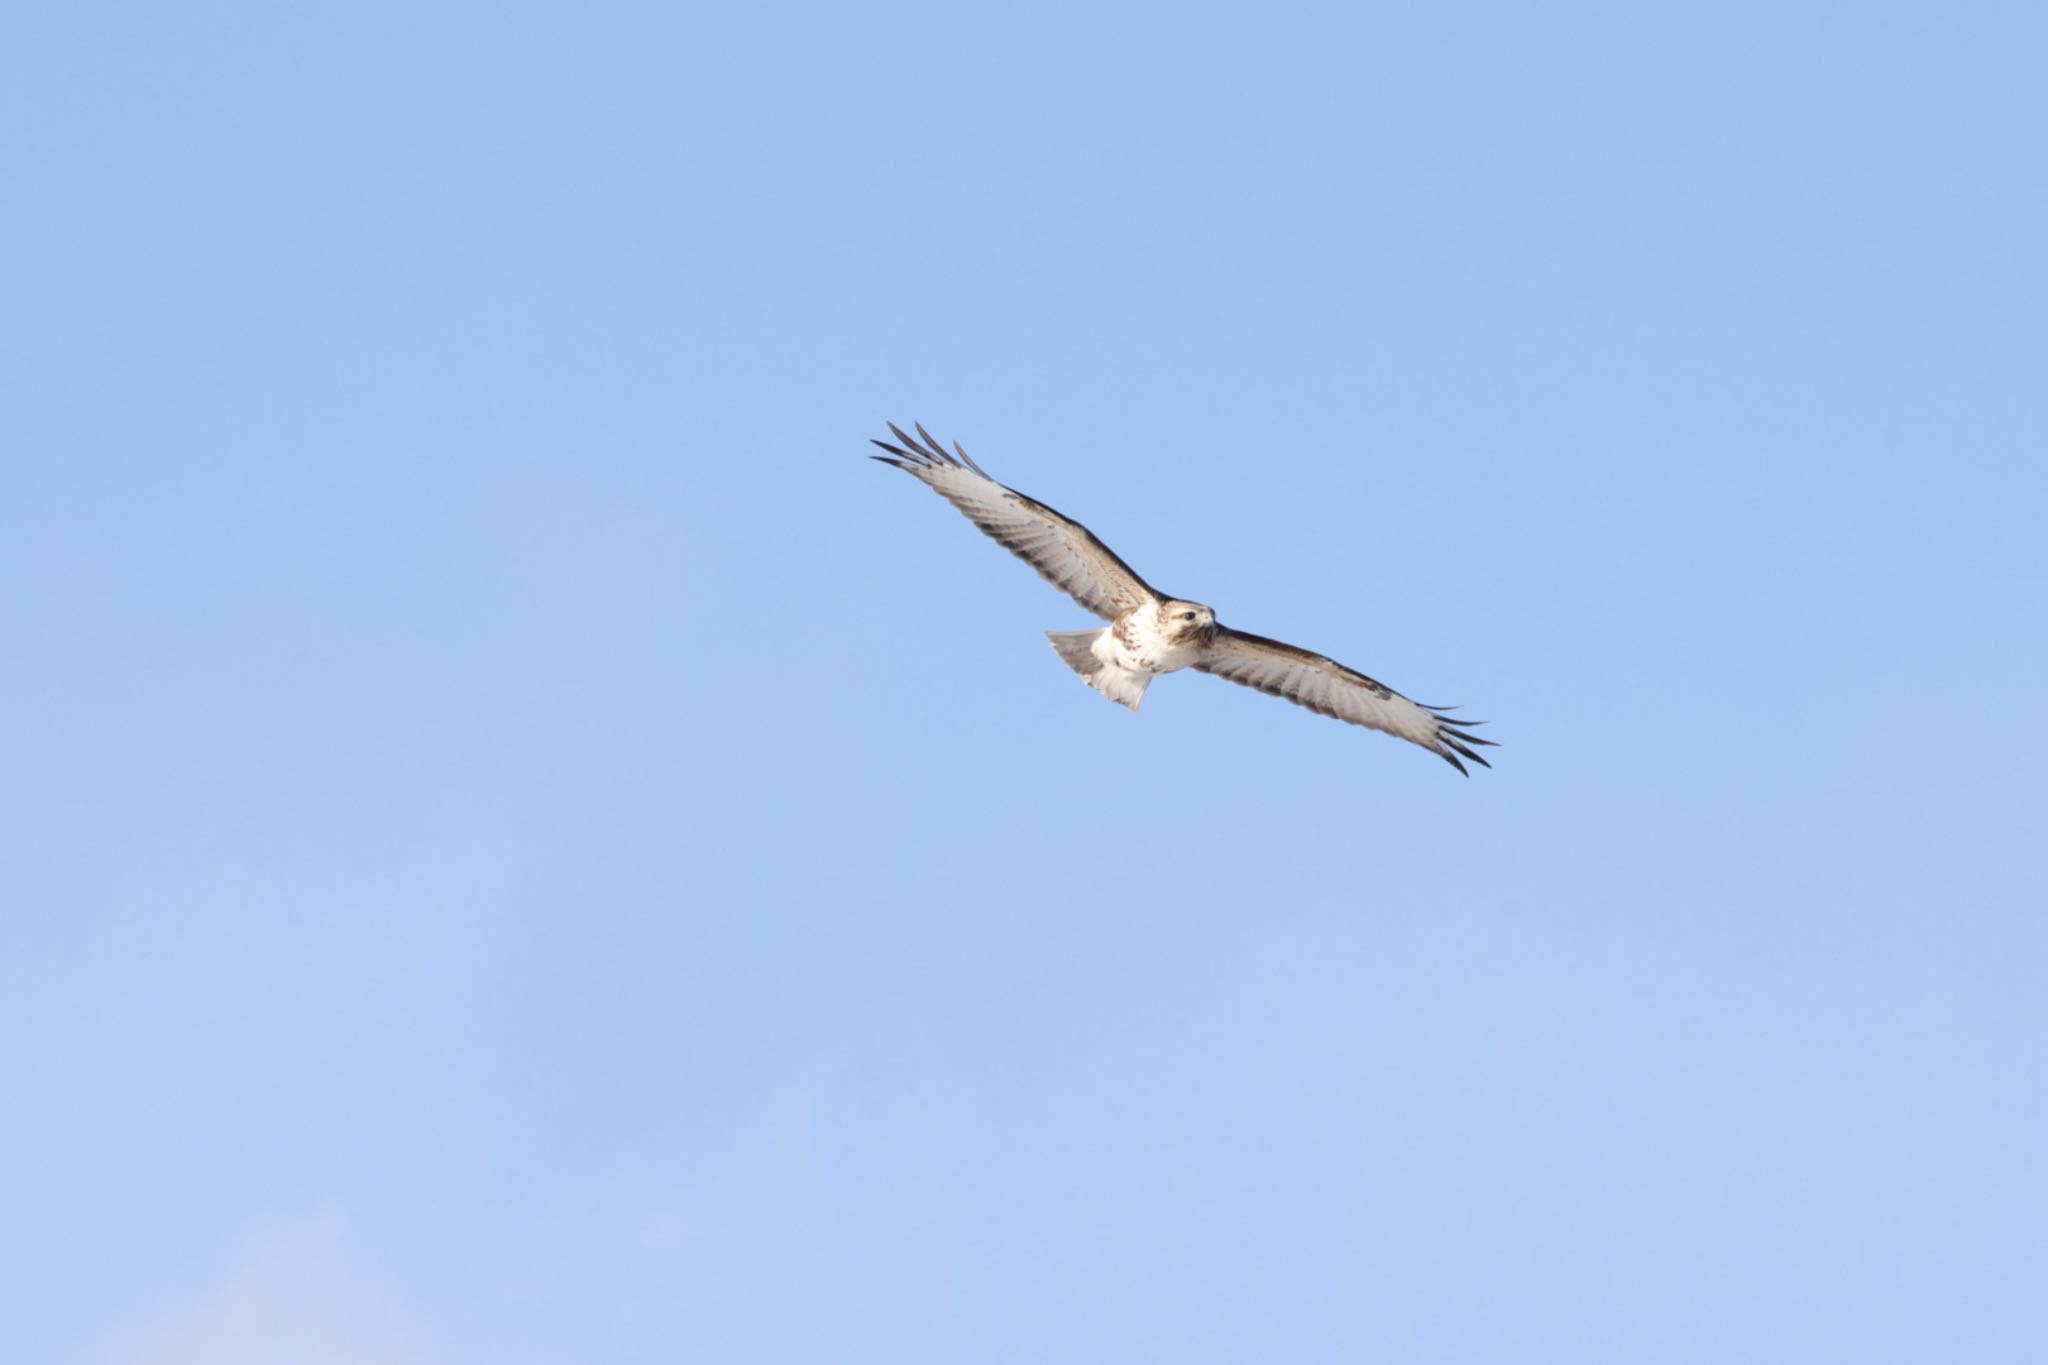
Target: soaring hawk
1150, 633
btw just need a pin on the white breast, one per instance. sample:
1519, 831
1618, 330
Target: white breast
1141, 645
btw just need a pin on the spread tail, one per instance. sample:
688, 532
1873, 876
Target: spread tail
1077, 647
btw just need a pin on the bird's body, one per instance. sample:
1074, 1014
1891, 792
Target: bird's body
1150, 633
1123, 658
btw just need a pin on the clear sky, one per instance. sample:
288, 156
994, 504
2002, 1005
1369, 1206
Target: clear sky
522, 847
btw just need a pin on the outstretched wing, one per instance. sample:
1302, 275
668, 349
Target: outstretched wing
1329, 688
1064, 551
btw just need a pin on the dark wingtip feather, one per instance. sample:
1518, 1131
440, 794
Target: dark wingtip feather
1453, 730
933, 445
1457, 732
900, 453
1452, 741
927, 453
923, 456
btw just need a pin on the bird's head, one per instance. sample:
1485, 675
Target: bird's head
1184, 622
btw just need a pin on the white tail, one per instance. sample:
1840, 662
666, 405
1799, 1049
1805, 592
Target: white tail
1077, 647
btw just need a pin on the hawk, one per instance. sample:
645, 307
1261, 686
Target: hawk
1150, 633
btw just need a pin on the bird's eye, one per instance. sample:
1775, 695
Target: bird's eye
1187, 616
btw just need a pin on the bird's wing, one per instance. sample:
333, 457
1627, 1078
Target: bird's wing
1329, 688
1064, 551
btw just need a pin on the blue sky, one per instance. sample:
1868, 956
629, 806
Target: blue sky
523, 846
